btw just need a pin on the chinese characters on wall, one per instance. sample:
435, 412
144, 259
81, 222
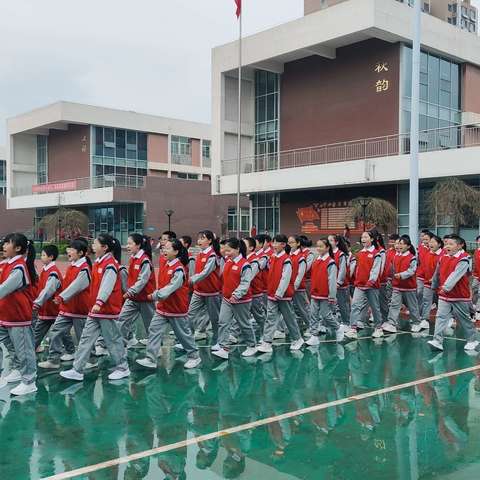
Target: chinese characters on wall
382, 84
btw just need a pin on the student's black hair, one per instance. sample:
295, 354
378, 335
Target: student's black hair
341, 243
209, 235
268, 238
81, 245
182, 252
438, 240
325, 241
305, 242
406, 239
394, 237
427, 232
260, 238
223, 242
378, 237
251, 242
51, 251
112, 244
297, 239
372, 236
171, 235
478, 238
280, 238
447, 236
187, 239
27, 249
456, 238
239, 245
143, 241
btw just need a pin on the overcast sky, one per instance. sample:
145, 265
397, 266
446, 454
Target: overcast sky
151, 56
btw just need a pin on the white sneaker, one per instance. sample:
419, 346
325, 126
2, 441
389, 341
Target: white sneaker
297, 344
215, 347
119, 374
415, 328
313, 341
221, 353
423, 325
249, 352
471, 345
178, 346
307, 333
72, 374
265, 347
377, 333
101, 351
360, 325
132, 343
143, 341
200, 336
23, 389
146, 362
40, 349
192, 363
477, 316
340, 333
351, 333
13, 377
232, 339
435, 344
389, 328
67, 357
322, 330
49, 365
3, 383
279, 335
90, 366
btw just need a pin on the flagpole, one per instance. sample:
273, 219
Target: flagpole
239, 139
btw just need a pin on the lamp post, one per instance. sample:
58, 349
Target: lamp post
364, 203
169, 214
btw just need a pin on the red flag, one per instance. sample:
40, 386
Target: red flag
238, 3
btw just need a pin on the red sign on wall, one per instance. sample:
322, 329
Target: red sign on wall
55, 187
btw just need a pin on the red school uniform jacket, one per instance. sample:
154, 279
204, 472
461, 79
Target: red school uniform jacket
232, 274
422, 252
365, 261
176, 305
79, 305
135, 265
211, 285
258, 284
387, 271
162, 261
263, 274
337, 256
430, 265
112, 307
49, 310
476, 264
461, 292
275, 275
297, 259
16, 308
401, 263
320, 288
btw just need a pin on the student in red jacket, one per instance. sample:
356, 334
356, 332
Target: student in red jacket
324, 293
423, 251
454, 296
476, 279
73, 303
341, 255
404, 286
206, 286
236, 299
106, 301
171, 308
280, 294
367, 271
141, 283
429, 268
18, 275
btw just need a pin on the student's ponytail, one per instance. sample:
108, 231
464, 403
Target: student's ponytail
112, 244
325, 241
81, 244
27, 249
143, 241
30, 261
406, 240
280, 238
182, 252
215, 242
239, 245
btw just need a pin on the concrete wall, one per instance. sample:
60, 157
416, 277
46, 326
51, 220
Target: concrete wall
14, 220
311, 6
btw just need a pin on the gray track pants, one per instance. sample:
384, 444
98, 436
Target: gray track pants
410, 300
420, 287
362, 299
239, 312
159, 328
274, 310
385, 297
258, 310
62, 326
301, 308
321, 313
41, 329
476, 293
344, 304
427, 302
458, 310
130, 311
22, 340
110, 332
204, 308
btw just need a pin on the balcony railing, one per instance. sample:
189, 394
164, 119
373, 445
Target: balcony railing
77, 184
181, 159
459, 136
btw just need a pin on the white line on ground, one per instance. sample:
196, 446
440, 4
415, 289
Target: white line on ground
251, 425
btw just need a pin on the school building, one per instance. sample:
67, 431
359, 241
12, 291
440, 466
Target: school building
326, 102
125, 170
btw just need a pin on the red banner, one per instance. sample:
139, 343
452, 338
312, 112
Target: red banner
55, 187
238, 3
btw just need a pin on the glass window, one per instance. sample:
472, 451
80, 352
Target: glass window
42, 159
181, 150
206, 147
120, 143
142, 146
98, 131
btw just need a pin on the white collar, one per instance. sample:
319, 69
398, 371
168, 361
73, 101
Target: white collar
46, 268
237, 258
139, 254
324, 256
404, 254
207, 250
438, 252
371, 248
259, 252
281, 254
103, 257
458, 253
171, 263
250, 255
14, 259
79, 262
335, 249
296, 252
